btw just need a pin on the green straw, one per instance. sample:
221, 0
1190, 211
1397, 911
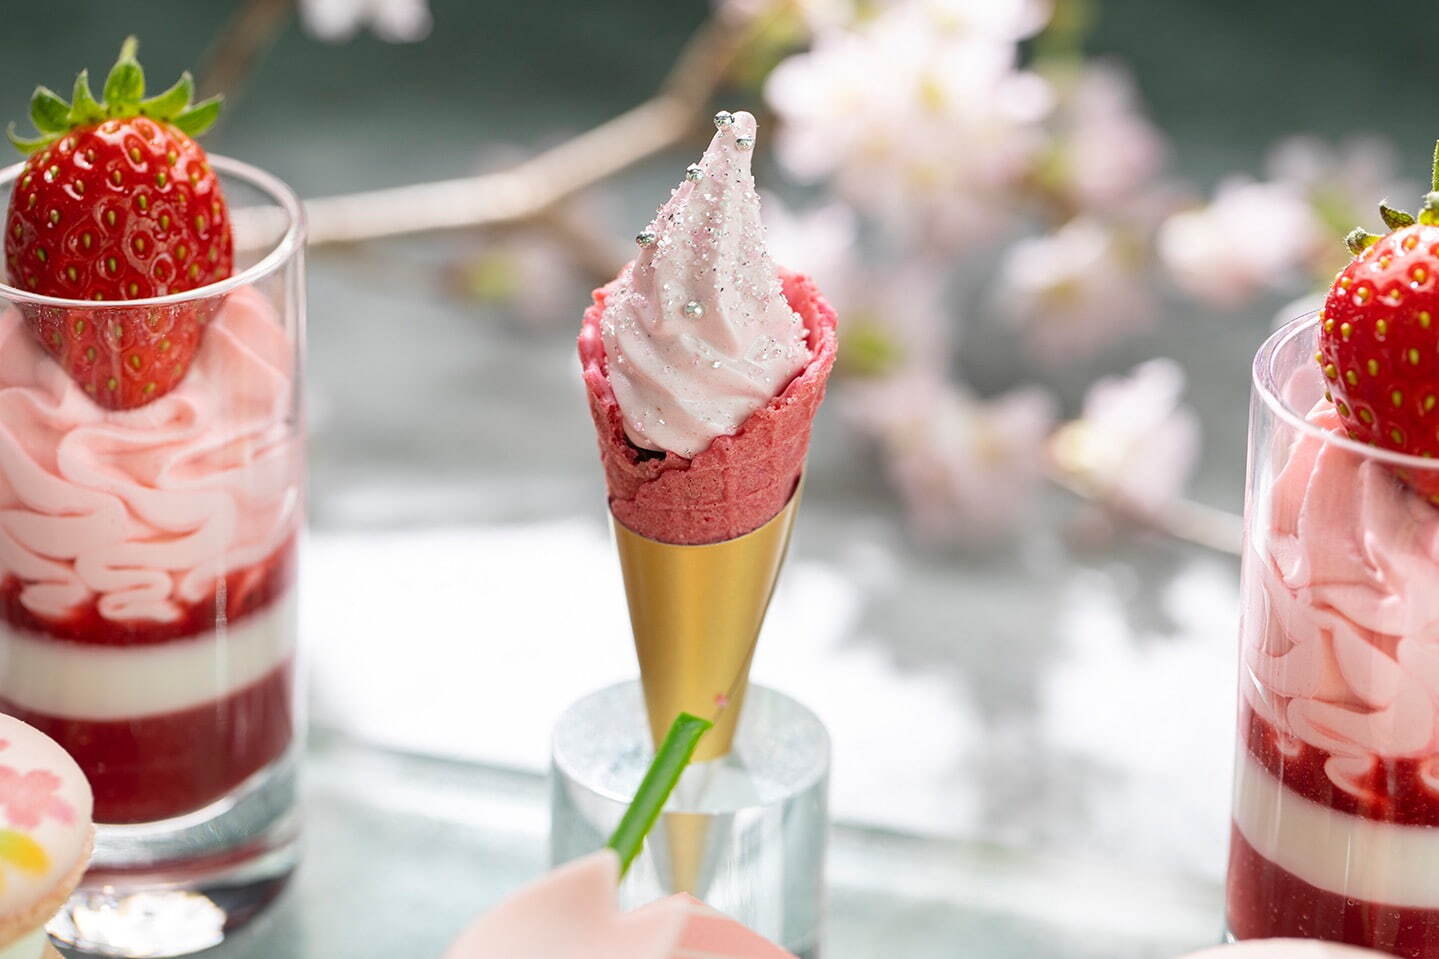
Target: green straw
660, 780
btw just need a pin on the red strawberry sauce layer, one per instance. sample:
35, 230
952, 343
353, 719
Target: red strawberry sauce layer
241, 593
1395, 791
157, 767
1265, 901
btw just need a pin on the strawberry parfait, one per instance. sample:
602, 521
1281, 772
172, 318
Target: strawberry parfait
151, 457
1336, 813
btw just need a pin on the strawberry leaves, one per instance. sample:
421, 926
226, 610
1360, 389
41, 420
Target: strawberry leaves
49, 111
123, 96
126, 82
1393, 218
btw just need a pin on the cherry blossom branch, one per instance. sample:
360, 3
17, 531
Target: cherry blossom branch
1180, 519
530, 188
237, 49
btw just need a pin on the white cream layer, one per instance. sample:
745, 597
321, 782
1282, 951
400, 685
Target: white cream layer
1340, 853
29, 946
97, 683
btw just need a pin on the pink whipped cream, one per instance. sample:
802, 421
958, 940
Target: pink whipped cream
697, 328
142, 509
1348, 565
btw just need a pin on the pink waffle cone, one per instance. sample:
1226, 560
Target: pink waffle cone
740, 482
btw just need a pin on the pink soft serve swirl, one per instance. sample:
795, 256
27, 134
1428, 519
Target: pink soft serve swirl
143, 509
1346, 655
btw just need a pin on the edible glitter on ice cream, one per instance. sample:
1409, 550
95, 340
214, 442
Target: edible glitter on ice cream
698, 330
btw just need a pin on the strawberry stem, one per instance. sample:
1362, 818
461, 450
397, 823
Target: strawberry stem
1434, 182
123, 96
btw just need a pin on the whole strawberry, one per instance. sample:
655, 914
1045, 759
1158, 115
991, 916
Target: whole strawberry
118, 202
1379, 338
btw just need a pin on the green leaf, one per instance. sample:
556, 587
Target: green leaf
1395, 219
171, 103
125, 86
660, 780
83, 108
200, 117
49, 113
25, 146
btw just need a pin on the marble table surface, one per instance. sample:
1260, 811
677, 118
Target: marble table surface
401, 852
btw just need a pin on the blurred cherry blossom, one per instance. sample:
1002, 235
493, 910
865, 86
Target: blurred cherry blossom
895, 314
1106, 151
899, 315
920, 116
816, 15
1346, 181
967, 469
524, 272
1001, 19
1315, 195
1209, 250
1135, 444
819, 242
1075, 291
394, 21
1343, 185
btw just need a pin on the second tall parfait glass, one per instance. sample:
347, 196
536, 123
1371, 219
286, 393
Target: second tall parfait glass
148, 572
1336, 807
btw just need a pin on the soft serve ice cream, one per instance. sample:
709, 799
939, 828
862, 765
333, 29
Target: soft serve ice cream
697, 329
704, 362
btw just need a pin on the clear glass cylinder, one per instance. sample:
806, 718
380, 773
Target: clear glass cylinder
1336, 807
148, 561
746, 832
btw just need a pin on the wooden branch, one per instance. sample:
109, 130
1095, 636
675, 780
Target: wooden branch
1182, 519
530, 188
237, 49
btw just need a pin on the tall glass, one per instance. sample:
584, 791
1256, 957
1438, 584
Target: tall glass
147, 584
1336, 806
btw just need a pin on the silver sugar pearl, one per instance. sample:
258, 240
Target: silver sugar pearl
744, 143
724, 119
693, 173
694, 309
645, 238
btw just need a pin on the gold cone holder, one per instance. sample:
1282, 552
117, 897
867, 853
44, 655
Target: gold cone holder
696, 612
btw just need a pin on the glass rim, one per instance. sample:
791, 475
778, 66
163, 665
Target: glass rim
820, 766
1267, 387
284, 249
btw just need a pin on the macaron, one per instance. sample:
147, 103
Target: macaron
574, 913
46, 836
